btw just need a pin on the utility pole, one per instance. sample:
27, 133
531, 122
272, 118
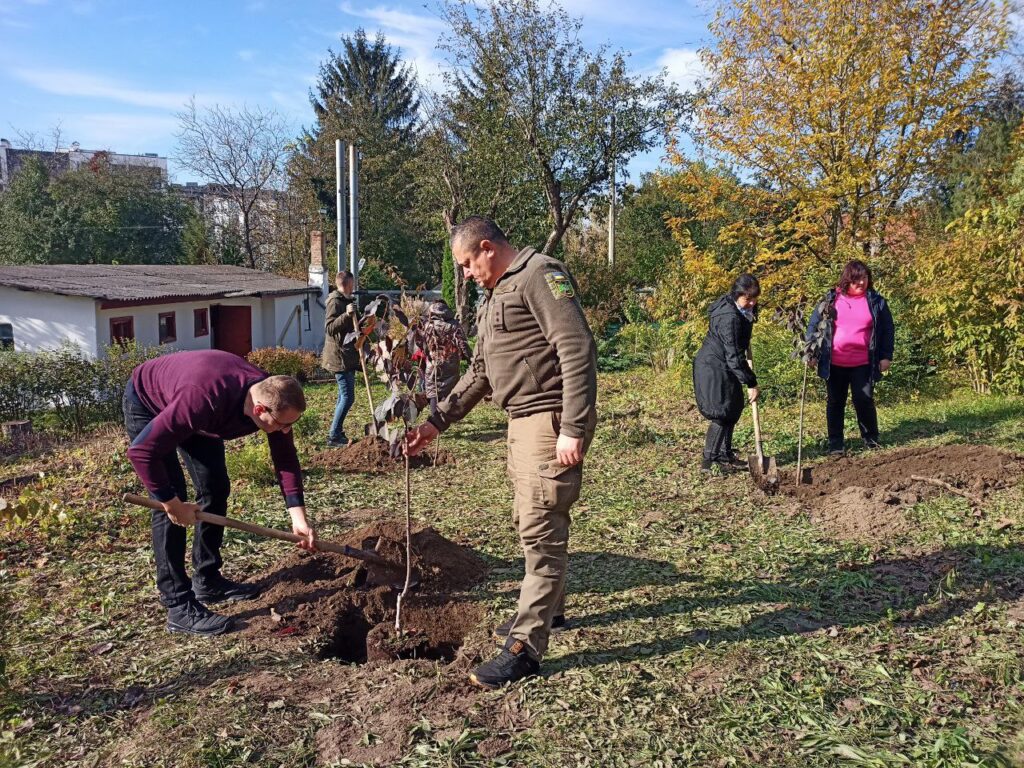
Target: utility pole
611, 204
353, 213
339, 202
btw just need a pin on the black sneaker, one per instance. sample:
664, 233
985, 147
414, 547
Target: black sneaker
872, 444
193, 618
224, 591
836, 452
343, 443
512, 664
558, 624
733, 460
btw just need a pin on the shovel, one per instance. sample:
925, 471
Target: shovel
762, 468
382, 570
371, 429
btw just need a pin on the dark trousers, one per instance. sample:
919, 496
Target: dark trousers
204, 459
858, 381
718, 443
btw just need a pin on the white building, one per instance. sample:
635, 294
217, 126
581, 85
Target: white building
71, 159
185, 307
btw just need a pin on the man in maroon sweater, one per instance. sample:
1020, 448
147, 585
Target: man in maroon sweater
189, 403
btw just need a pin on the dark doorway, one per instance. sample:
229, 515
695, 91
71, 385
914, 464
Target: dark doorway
232, 328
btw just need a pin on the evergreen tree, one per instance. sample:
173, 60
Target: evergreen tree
364, 94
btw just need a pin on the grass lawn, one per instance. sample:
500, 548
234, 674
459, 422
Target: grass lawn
711, 625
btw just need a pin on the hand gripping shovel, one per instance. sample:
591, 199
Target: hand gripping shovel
381, 570
763, 469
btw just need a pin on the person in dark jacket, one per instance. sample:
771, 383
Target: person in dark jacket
857, 336
448, 346
720, 370
340, 358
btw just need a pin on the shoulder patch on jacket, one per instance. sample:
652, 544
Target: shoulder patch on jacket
560, 285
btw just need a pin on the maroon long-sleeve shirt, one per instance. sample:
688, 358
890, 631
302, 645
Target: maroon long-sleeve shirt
202, 393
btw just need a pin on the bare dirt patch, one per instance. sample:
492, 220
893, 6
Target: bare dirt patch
372, 455
866, 498
373, 689
326, 602
377, 708
385, 684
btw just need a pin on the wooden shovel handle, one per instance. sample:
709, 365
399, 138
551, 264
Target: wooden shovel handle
756, 415
366, 378
259, 530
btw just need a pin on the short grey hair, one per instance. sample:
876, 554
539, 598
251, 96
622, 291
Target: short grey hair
471, 231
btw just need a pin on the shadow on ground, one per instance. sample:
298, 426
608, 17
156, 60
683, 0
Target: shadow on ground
916, 591
595, 573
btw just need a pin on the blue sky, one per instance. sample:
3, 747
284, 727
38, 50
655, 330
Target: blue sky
112, 73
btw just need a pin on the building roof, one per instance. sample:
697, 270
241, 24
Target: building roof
146, 282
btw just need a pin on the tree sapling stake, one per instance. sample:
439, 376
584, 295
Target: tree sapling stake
396, 360
806, 348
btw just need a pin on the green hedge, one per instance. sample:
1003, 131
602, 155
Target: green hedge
65, 384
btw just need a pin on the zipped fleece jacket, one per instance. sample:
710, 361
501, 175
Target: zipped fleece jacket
883, 332
534, 351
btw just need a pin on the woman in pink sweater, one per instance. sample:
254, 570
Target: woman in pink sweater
857, 350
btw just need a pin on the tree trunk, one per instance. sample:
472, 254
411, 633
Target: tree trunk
408, 545
247, 234
462, 285
800, 430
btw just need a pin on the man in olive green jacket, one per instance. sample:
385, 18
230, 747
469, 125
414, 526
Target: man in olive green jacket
340, 358
536, 357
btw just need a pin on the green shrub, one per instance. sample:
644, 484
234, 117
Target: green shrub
278, 361
65, 384
111, 374
660, 345
21, 394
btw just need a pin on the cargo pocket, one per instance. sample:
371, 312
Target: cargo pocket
559, 486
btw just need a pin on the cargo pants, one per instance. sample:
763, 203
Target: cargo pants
544, 493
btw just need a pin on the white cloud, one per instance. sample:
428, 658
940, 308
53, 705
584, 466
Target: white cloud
66, 82
415, 35
413, 24
246, 54
684, 67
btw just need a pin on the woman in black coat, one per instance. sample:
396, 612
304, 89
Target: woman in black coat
720, 370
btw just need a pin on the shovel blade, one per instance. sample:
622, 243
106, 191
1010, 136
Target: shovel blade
764, 471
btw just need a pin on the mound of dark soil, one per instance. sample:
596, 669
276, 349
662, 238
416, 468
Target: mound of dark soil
371, 454
334, 606
864, 498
